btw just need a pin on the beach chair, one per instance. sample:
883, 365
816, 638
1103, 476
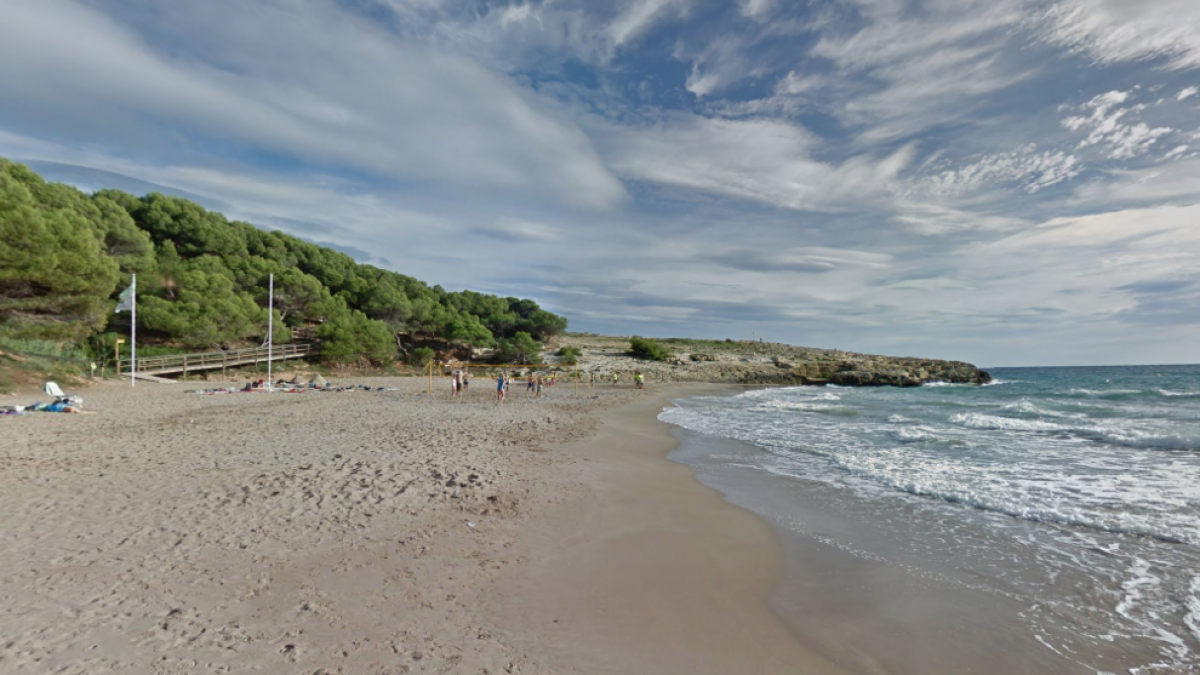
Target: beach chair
52, 389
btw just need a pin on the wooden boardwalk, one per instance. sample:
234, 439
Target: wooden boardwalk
183, 364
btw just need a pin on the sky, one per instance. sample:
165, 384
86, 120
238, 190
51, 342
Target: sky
1007, 182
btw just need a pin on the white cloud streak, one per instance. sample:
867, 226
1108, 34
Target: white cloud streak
1115, 31
761, 160
322, 87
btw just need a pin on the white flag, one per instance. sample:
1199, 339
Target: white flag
126, 303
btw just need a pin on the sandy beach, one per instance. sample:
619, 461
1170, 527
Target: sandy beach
375, 531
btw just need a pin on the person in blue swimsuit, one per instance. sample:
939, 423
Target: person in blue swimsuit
501, 389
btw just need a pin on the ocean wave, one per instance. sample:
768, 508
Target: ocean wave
802, 406
997, 382
1101, 393
1029, 408
1010, 504
898, 419
994, 422
1168, 392
1132, 438
913, 434
1139, 578
1124, 437
1192, 620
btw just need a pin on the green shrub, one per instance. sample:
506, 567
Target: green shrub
421, 356
570, 355
352, 336
649, 350
519, 349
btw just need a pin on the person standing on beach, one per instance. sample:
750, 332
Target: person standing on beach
501, 388
466, 379
454, 385
614, 379
593, 382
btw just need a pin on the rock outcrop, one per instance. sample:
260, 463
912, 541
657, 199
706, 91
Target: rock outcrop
770, 363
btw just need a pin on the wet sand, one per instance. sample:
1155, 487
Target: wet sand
855, 593
645, 570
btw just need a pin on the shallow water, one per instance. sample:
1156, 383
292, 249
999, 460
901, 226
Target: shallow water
1068, 496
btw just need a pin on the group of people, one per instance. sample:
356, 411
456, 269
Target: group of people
535, 384
639, 380
459, 381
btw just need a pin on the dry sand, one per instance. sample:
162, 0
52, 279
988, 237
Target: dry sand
373, 532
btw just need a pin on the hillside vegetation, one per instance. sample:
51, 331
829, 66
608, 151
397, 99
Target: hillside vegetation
202, 281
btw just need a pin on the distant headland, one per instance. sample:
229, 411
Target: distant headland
748, 362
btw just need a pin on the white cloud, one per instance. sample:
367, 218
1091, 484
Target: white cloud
1027, 168
521, 231
1176, 152
1069, 276
305, 80
638, 16
762, 160
1187, 93
759, 10
928, 217
700, 83
932, 63
720, 64
794, 84
1176, 182
1106, 126
1112, 31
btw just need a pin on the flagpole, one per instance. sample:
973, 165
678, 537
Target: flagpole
270, 327
133, 334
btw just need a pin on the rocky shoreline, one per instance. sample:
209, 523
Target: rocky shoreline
742, 362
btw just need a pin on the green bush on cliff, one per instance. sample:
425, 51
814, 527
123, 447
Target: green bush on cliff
650, 350
570, 355
519, 349
421, 356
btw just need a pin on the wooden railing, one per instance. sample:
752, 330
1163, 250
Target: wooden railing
231, 358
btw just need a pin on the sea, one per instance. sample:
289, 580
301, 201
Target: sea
1046, 522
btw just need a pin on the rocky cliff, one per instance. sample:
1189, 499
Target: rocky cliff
767, 363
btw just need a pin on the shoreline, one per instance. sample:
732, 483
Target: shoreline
880, 580
847, 596
646, 569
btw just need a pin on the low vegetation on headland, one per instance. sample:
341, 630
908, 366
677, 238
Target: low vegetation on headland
202, 284
752, 362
